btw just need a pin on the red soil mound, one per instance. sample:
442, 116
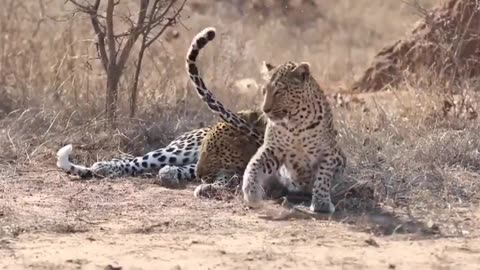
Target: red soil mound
446, 44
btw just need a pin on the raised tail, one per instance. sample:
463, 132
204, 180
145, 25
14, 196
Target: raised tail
198, 42
64, 163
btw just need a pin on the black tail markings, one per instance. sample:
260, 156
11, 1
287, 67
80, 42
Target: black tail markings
198, 42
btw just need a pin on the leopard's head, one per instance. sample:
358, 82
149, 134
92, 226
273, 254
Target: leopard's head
286, 89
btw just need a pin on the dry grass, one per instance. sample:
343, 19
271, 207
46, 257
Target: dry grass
52, 93
52, 84
54, 87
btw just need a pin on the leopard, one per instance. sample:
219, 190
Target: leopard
224, 155
175, 162
210, 153
300, 137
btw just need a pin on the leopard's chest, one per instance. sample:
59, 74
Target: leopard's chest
296, 147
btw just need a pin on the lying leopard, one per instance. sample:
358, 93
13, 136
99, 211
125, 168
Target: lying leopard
209, 148
300, 136
175, 162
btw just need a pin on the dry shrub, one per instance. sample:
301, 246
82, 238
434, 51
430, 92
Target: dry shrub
413, 155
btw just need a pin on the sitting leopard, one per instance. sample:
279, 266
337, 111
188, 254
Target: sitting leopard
299, 138
224, 155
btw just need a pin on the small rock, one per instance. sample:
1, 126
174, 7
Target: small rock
111, 267
91, 239
372, 242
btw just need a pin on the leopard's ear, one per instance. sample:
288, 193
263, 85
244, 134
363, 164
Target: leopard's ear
268, 66
265, 69
302, 71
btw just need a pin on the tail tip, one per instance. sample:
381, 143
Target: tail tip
65, 151
209, 33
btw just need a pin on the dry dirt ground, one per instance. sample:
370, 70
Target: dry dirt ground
50, 221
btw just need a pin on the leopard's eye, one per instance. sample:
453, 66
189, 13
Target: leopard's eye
278, 85
277, 89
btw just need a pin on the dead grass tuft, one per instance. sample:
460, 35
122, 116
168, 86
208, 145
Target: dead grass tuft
68, 228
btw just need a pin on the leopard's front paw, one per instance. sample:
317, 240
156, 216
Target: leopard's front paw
252, 194
205, 191
322, 206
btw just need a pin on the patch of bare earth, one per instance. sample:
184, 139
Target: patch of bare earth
49, 221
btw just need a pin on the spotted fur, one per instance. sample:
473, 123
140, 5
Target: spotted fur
225, 153
198, 43
175, 162
300, 136
226, 150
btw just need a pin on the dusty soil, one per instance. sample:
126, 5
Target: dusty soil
50, 221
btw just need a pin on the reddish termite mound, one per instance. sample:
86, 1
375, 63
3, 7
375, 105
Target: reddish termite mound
445, 44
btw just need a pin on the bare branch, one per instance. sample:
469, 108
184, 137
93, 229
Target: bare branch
151, 16
111, 34
134, 34
92, 10
83, 8
155, 19
97, 27
171, 21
